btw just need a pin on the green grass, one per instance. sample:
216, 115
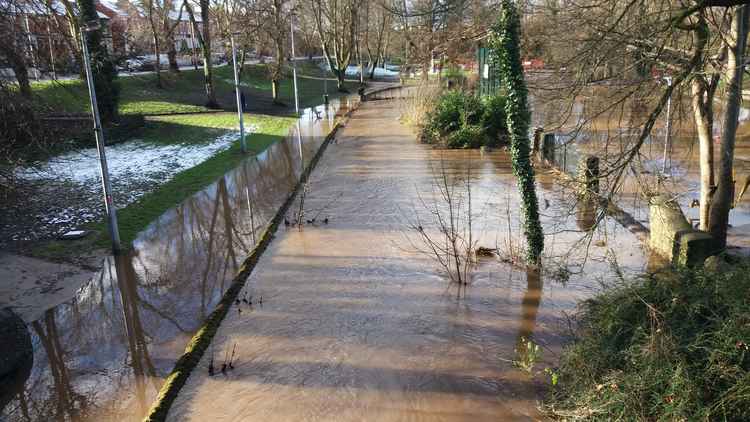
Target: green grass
666, 348
135, 217
181, 93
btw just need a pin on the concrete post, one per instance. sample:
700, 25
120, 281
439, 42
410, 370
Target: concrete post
588, 175
548, 148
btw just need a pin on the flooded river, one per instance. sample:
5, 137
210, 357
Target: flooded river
103, 354
358, 323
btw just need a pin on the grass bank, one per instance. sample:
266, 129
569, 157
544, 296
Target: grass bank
182, 92
170, 130
672, 347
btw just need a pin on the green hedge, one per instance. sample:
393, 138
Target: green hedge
462, 120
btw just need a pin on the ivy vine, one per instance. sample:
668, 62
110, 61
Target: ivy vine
504, 45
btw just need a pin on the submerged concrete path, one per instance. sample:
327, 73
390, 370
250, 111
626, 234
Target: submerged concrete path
355, 324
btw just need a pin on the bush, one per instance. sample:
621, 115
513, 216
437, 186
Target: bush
456, 110
493, 120
662, 350
470, 136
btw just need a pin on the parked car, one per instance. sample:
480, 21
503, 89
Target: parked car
133, 64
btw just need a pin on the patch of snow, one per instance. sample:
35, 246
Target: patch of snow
69, 186
134, 160
379, 72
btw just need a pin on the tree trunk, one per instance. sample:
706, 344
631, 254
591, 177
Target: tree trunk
505, 47
275, 90
722, 201
704, 126
18, 65
103, 69
172, 55
340, 73
208, 73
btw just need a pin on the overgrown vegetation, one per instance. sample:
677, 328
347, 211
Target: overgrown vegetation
668, 348
22, 137
459, 119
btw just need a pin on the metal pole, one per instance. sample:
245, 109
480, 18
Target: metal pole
294, 66
109, 206
669, 121
237, 92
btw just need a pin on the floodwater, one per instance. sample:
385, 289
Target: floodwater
583, 129
103, 354
358, 320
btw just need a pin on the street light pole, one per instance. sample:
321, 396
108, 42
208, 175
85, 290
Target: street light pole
237, 92
667, 141
294, 66
109, 205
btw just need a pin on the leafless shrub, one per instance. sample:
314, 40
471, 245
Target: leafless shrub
415, 108
447, 236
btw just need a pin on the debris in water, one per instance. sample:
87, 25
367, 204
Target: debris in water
482, 251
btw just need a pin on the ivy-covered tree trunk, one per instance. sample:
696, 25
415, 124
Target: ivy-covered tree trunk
102, 68
504, 43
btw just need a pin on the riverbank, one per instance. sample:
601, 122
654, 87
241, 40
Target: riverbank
669, 346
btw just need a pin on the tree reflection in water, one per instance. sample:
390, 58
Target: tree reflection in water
103, 355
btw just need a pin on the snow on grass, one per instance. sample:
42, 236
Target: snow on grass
70, 189
135, 161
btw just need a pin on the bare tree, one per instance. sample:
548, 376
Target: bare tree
620, 46
203, 33
336, 23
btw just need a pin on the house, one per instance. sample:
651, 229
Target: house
42, 30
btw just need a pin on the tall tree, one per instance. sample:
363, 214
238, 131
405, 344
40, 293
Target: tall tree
336, 23
102, 67
736, 42
203, 33
14, 45
505, 43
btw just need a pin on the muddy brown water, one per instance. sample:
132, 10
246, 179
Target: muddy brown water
357, 324
103, 354
583, 129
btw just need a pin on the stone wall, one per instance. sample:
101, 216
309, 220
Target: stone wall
674, 238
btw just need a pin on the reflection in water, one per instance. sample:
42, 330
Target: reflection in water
530, 302
103, 355
586, 213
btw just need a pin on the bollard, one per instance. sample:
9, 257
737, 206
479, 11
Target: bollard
538, 131
548, 148
588, 176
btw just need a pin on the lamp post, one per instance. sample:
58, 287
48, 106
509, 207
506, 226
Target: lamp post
294, 65
109, 205
238, 94
667, 141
